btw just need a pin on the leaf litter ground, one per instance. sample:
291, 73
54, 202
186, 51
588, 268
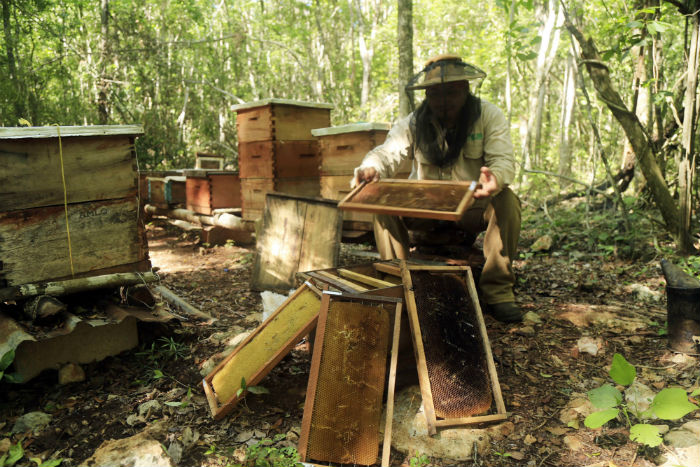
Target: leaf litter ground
540, 366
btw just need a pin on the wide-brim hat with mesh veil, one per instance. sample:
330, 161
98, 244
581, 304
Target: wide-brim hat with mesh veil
445, 69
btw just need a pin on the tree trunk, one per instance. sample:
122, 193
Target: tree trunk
545, 57
405, 48
641, 144
69, 286
103, 84
686, 167
18, 102
567, 113
509, 69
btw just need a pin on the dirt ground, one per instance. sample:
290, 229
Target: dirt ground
540, 365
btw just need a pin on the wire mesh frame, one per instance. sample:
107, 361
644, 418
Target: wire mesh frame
423, 380
218, 408
314, 374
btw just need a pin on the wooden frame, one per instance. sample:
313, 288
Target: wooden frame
352, 279
220, 408
428, 406
400, 197
309, 405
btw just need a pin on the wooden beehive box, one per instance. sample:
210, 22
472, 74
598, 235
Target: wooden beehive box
341, 149
144, 175
208, 161
208, 190
276, 150
166, 192
68, 203
280, 120
98, 162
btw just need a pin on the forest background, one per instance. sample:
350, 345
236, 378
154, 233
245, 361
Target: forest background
592, 89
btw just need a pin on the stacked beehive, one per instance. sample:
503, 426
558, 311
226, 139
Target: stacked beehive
208, 190
69, 203
341, 149
276, 150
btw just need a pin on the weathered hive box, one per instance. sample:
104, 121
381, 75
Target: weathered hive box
208, 161
276, 150
341, 149
208, 190
144, 175
165, 192
68, 203
280, 120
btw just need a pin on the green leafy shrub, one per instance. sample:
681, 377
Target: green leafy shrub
265, 454
669, 404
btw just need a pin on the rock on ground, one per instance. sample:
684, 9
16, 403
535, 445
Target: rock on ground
142, 449
410, 432
31, 421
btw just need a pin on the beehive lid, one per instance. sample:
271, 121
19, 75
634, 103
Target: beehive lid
264, 102
65, 131
351, 128
203, 173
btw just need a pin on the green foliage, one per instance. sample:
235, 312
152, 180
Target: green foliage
668, 404
265, 454
11, 457
5, 362
621, 371
600, 418
605, 397
47, 463
418, 460
251, 389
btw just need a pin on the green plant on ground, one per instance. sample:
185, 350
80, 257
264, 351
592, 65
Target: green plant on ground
418, 460
5, 362
264, 453
668, 404
251, 389
14, 454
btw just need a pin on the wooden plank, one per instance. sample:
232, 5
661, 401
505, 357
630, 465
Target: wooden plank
423, 380
298, 234
386, 445
278, 248
314, 373
471, 420
104, 234
321, 238
255, 357
31, 175
365, 279
344, 397
339, 281
495, 385
67, 131
430, 199
388, 268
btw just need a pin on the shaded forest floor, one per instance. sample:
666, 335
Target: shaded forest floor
577, 289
